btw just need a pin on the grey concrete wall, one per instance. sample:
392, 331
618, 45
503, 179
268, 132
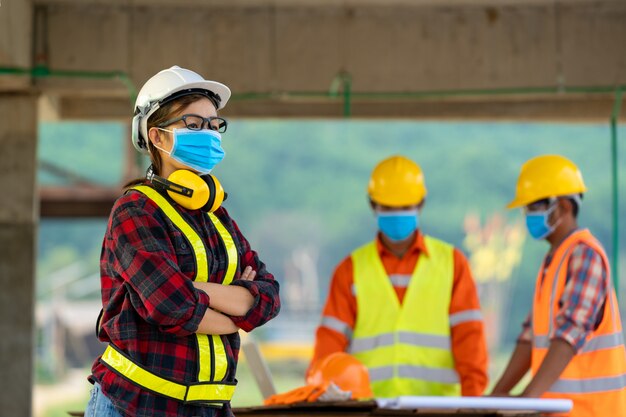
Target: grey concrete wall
400, 46
18, 230
261, 47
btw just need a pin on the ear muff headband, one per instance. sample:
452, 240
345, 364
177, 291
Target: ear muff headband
172, 187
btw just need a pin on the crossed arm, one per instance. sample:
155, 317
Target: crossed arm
225, 300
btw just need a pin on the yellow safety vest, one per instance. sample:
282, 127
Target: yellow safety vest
212, 367
406, 347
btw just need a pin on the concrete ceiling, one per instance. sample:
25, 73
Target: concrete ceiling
459, 59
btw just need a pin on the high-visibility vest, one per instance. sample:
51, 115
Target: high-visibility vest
406, 347
209, 389
595, 378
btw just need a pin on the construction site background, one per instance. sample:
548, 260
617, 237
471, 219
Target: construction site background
304, 215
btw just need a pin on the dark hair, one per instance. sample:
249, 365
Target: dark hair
164, 113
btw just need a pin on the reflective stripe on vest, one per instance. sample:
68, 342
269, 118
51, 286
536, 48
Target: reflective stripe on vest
439, 375
212, 361
405, 355
606, 341
196, 392
595, 378
589, 385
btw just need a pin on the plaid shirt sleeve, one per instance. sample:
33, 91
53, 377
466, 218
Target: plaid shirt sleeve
141, 256
583, 297
264, 288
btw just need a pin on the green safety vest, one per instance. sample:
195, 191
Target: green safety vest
213, 365
406, 347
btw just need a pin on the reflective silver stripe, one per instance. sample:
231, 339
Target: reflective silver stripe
442, 375
337, 325
381, 373
424, 340
589, 385
361, 344
606, 341
399, 280
354, 290
465, 316
368, 343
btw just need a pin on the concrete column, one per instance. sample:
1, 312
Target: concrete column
18, 231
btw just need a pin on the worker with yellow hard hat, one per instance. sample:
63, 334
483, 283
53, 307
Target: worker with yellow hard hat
405, 304
572, 340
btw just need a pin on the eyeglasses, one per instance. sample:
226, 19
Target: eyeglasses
196, 122
540, 205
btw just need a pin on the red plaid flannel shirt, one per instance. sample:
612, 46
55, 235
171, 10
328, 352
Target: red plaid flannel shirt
151, 308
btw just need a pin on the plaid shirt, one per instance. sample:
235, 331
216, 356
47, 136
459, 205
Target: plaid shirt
152, 309
582, 303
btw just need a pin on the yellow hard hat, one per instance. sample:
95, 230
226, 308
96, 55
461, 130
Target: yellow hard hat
547, 176
397, 182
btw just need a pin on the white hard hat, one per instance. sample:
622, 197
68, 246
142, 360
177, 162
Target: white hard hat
165, 86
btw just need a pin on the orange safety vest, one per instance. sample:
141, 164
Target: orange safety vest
595, 378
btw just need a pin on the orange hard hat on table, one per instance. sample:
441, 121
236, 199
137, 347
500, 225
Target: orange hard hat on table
397, 182
345, 371
547, 176
338, 374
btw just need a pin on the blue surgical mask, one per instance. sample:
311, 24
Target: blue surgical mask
198, 149
537, 223
398, 225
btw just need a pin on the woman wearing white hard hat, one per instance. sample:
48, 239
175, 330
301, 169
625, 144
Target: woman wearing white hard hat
178, 277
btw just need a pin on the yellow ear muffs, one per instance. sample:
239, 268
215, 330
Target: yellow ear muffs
191, 190
216, 193
188, 180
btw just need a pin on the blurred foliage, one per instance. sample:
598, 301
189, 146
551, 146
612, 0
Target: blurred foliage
302, 182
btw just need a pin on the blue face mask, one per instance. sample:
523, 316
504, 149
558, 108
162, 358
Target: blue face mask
200, 150
537, 223
398, 225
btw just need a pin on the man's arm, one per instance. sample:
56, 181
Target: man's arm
467, 332
519, 363
518, 366
559, 355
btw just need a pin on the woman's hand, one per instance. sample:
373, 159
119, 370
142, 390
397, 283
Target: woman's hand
248, 274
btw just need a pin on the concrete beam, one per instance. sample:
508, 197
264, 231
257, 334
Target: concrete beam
77, 201
572, 108
289, 46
